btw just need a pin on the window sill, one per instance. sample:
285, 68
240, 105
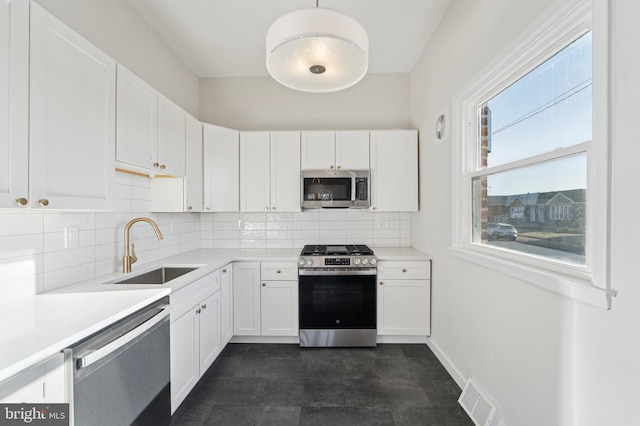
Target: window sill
574, 287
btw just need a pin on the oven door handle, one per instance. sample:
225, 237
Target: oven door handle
96, 355
324, 272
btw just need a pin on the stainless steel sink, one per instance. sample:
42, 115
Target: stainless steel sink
157, 276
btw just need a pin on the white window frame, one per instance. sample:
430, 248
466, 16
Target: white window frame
548, 35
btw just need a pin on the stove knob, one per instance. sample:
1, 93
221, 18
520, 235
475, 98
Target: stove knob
365, 261
373, 262
302, 262
309, 262
356, 261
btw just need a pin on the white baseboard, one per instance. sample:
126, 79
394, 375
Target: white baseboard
446, 362
265, 339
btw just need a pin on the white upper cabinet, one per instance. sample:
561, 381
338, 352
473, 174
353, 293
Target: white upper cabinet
171, 137
342, 150
137, 120
285, 171
394, 170
270, 171
352, 150
193, 162
221, 169
72, 118
151, 128
14, 103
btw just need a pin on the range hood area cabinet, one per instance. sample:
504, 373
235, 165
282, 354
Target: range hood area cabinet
270, 171
57, 114
151, 128
340, 150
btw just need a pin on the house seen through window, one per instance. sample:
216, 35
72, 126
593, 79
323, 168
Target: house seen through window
529, 188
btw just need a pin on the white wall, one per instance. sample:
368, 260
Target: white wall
117, 29
542, 358
379, 101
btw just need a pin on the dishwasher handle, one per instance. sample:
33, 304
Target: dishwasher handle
96, 355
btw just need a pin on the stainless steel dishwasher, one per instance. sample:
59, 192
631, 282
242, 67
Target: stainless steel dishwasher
121, 375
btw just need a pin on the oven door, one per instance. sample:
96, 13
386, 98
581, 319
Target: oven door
337, 308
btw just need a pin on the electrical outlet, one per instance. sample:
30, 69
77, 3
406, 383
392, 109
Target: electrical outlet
71, 237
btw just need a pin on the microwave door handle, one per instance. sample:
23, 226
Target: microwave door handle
353, 189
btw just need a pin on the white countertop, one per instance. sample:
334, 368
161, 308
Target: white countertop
35, 328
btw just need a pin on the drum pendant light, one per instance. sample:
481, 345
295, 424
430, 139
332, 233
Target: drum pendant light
317, 50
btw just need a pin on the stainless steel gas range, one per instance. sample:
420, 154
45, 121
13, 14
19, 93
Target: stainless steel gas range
337, 296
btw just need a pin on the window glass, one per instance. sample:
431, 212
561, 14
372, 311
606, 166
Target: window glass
539, 210
548, 108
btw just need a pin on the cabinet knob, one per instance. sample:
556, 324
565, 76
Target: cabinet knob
189, 208
224, 271
381, 283
339, 167
266, 209
374, 208
404, 270
156, 164
331, 167
162, 167
198, 311
208, 208
264, 284
273, 208
204, 306
43, 202
278, 271
22, 201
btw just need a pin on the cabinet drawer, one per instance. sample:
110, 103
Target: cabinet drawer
404, 270
191, 295
281, 271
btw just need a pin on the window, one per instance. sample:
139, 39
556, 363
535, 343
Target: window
532, 142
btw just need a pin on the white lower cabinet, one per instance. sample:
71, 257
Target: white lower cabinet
279, 299
43, 383
404, 298
195, 334
265, 299
226, 303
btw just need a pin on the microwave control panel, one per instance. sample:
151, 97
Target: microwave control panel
362, 189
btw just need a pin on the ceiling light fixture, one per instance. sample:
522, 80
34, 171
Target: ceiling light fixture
317, 50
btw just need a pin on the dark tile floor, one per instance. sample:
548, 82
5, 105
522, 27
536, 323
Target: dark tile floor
263, 384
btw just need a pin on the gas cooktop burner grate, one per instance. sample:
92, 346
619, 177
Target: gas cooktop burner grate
343, 249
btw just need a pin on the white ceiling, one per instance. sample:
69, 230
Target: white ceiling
226, 38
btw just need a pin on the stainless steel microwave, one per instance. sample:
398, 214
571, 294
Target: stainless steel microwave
335, 189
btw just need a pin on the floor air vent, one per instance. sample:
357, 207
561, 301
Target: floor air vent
476, 404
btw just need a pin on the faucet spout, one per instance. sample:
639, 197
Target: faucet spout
129, 256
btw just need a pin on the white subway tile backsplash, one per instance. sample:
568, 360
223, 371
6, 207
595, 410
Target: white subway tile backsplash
33, 257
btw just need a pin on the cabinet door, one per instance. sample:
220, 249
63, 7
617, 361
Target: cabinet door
404, 307
394, 170
193, 166
279, 306
42, 383
352, 150
221, 169
72, 118
226, 304
246, 299
285, 172
14, 103
318, 150
254, 172
137, 117
185, 367
171, 137
210, 343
